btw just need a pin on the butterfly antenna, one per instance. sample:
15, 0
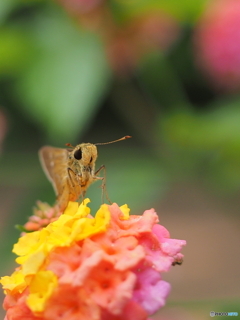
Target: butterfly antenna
123, 138
69, 145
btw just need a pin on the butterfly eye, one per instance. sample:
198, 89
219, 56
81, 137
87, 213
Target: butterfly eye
78, 154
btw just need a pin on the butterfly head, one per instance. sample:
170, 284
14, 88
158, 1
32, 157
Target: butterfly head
85, 154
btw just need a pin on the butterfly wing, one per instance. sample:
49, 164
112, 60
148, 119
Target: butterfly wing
54, 162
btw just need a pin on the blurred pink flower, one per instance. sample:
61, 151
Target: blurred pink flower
125, 40
217, 41
81, 268
80, 6
127, 44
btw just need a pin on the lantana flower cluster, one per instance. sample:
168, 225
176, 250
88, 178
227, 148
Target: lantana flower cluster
81, 267
43, 214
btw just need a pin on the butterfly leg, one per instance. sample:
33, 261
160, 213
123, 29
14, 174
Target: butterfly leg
103, 185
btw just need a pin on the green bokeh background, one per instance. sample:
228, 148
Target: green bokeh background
57, 86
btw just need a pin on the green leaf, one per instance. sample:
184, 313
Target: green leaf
207, 143
185, 10
5, 8
211, 130
21, 228
161, 80
63, 86
15, 50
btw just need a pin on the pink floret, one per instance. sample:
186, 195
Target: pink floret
151, 291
